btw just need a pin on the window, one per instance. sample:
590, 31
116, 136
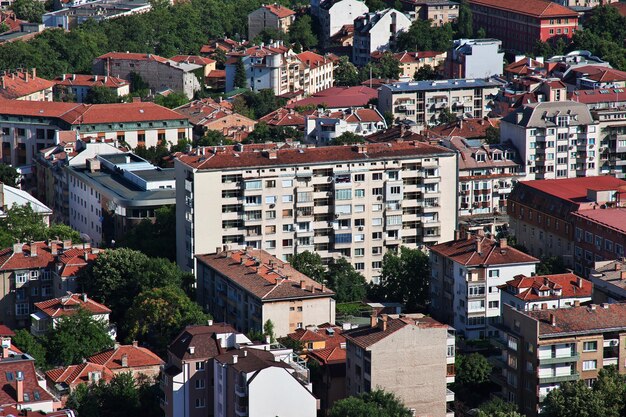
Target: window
270, 184
287, 183
253, 185
359, 193
377, 176
287, 198
590, 365
199, 383
494, 304
377, 264
359, 252
200, 402
377, 221
359, 177
199, 366
590, 346
21, 277
343, 194
494, 273
359, 266
21, 309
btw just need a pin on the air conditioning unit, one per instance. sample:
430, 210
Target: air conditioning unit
360, 228
613, 343
379, 198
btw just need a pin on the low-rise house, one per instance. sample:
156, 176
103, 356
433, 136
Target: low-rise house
63, 381
592, 77
609, 281
285, 117
337, 98
22, 386
139, 361
275, 291
524, 66
207, 114
77, 86
376, 31
23, 84
49, 313
536, 292
467, 128
324, 126
393, 350
207, 64
439, 12
270, 16
411, 62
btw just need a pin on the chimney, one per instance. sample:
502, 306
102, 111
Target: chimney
519, 116
268, 339
84, 297
135, 343
579, 282
5, 350
302, 284
552, 319
191, 350
373, 320
63, 77
503, 243
576, 303
124, 361
468, 235
382, 323
86, 256
17, 248
605, 306
270, 154
622, 275
33, 249
457, 235
19, 388
34, 71
245, 353
54, 250
544, 306
479, 247
235, 359
209, 322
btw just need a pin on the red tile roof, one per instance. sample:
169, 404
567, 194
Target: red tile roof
523, 67
612, 218
133, 56
217, 74
228, 157
74, 375
580, 320
368, 336
600, 95
570, 285
313, 60
535, 8
284, 117
600, 74
467, 128
407, 57
90, 80
72, 258
338, 97
575, 189
193, 59
205, 111
465, 251
5, 331
336, 354
351, 116
264, 275
8, 393
69, 305
278, 10
138, 357
22, 83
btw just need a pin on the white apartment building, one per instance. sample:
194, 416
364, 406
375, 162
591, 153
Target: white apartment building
333, 15
423, 101
351, 201
554, 139
278, 68
324, 126
466, 275
475, 58
376, 31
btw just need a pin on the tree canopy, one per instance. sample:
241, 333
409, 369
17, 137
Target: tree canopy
348, 284
158, 239
102, 95
422, 36
472, 369
310, 264
28, 343
23, 224
9, 175
347, 138
498, 408
29, 10
377, 403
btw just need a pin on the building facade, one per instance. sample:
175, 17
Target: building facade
24, 84
77, 86
322, 127
270, 16
528, 293
356, 202
439, 12
334, 15
376, 31
475, 58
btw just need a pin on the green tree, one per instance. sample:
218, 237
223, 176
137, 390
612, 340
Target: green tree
346, 73
9, 175
426, 73
268, 330
492, 135
405, 278
498, 408
212, 138
138, 86
347, 138
30, 10
481, 33
446, 116
345, 281
172, 100
377, 403
387, 67
551, 265
32, 345
422, 36
309, 263
158, 315
265, 133
241, 80
102, 95
472, 369
154, 154
301, 32
62, 232
574, 399
464, 27
21, 224
154, 239
4, 27
76, 337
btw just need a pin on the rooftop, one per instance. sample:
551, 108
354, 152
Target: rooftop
338, 97
610, 272
600, 95
482, 251
69, 305
23, 368
612, 218
204, 339
592, 319
458, 84
22, 83
575, 189
37, 255
278, 10
284, 117
387, 325
475, 128
491, 156
535, 8
548, 287
90, 80
136, 356
73, 375
545, 114
263, 275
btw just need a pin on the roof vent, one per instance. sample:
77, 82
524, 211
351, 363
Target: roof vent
191, 350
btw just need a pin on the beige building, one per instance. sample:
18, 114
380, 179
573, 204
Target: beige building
411, 356
423, 102
271, 16
245, 288
411, 62
24, 84
439, 12
355, 202
542, 349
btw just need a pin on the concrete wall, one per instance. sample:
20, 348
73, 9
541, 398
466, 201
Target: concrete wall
275, 392
305, 312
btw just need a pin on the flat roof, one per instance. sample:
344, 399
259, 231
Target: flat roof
160, 174
452, 84
575, 189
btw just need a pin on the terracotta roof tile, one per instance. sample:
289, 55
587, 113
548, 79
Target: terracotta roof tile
133, 56
535, 8
250, 360
583, 319
464, 251
90, 81
202, 338
137, 357
331, 355
338, 97
612, 218
567, 283
69, 305
22, 83
368, 336
284, 117
278, 10
8, 394
193, 59
475, 128
78, 374
574, 189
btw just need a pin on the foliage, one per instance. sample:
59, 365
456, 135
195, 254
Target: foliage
77, 337
301, 32
102, 95
32, 345
257, 104
4, 27
377, 403
481, 33
158, 315
290, 343
268, 330
464, 28
240, 75
310, 264
354, 309
346, 73
472, 369
29, 10
498, 408
172, 100
212, 138
347, 138
348, 284
122, 397
551, 265
492, 135
426, 72
446, 116
154, 154
9, 175
421, 36
387, 67
405, 279
61, 231
265, 133
158, 239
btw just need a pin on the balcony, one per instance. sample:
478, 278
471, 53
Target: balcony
574, 376
610, 361
240, 390
560, 359
241, 410
449, 395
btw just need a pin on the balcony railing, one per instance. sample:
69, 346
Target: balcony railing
559, 378
574, 357
240, 390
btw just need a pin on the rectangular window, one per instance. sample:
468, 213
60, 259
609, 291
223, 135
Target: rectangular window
199, 366
590, 346
359, 193
253, 185
494, 273
590, 365
343, 194
287, 183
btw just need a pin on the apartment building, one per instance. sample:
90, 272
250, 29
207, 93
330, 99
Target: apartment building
466, 274
11, 196
75, 87
214, 370
411, 62
322, 126
69, 18
31, 126
609, 281
527, 293
475, 58
486, 177
520, 24
423, 101
160, 73
543, 348
270, 16
34, 272
23, 387
351, 201
278, 68
111, 193
23, 84
439, 12
612, 136
392, 351
245, 288
376, 31
333, 15
554, 139
541, 213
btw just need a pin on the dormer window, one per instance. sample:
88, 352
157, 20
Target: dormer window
480, 157
562, 121
557, 292
497, 156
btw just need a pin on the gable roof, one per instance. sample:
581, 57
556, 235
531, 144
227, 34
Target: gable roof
22, 83
279, 10
202, 339
69, 305
73, 375
570, 285
338, 97
8, 393
574, 190
599, 73
90, 80
367, 336
535, 8
193, 59
136, 355
465, 252
283, 117
590, 319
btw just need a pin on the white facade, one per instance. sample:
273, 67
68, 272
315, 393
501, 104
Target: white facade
264, 399
376, 31
333, 15
324, 126
476, 58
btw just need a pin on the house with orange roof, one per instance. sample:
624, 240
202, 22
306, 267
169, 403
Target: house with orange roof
537, 292
524, 66
22, 387
77, 86
270, 16
591, 77
322, 126
207, 64
411, 62
23, 84
139, 361
160, 73
31, 272
49, 313
284, 117
64, 380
